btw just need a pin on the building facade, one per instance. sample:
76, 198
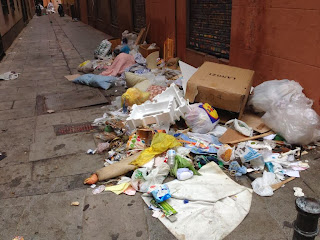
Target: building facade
278, 39
14, 15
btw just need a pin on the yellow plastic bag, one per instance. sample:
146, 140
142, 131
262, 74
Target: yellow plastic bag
134, 96
161, 142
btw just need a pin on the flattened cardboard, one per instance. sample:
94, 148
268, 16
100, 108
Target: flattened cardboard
255, 122
232, 137
72, 77
221, 86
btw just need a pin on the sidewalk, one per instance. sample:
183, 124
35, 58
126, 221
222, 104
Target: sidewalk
44, 172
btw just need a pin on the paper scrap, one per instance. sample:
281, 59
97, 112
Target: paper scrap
298, 192
118, 189
72, 77
157, 214
130, 191
98, 190
291, 173
270, 137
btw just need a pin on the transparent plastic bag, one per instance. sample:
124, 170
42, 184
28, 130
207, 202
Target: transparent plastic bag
226, 154
296, 121
270, 92
199, 120
262, 185
141, 180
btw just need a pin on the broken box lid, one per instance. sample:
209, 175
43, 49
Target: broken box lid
221, 86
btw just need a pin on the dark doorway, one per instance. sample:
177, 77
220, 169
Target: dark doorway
24, 11
1, 49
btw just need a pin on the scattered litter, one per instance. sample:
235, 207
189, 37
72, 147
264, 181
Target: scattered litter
50, 111
298, 192
98, 190
75, 204
3, 155
9, 76
92, 152
18, 238
93, 185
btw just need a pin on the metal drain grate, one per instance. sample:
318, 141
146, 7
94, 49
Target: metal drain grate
64, 129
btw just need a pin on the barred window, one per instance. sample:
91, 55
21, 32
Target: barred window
5, 7
12, 5
114, 12
210, 27
139, 14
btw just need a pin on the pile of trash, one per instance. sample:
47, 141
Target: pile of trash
183, 156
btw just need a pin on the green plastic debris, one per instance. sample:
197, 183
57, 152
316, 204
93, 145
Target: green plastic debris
181, 162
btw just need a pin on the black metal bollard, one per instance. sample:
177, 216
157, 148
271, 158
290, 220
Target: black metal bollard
306, 224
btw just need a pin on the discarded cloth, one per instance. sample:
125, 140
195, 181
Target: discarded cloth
104, 82
120, 63
217, 205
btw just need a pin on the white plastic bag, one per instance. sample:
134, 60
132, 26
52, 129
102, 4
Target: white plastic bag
199, 120
240, 126
270, 92
294, 120
262, 185
141, 180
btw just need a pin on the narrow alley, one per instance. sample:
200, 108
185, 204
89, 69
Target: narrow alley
44, 167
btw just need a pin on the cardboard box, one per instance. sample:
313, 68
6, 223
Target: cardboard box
143, 49
222, 86
115, 42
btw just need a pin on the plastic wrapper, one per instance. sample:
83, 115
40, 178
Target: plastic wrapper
226, 154
161, 142
182, 162
141, 180
134, 96
160, 193
262, 185
199, 119
86, 67
296, 121
270, 92
241, 127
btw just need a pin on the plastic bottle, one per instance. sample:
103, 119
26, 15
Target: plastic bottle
171, 157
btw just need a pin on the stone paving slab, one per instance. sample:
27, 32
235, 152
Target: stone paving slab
122, 217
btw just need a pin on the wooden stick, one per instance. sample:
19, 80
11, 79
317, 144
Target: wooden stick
280, 184
251, 138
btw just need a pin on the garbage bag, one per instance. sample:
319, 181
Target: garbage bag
181, 162
262, 185
270, 92
92, 80
294, 120
86, 67
103, 49
141, 180
161, 142
134, 96
200, 119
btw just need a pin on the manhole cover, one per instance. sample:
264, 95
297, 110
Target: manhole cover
64, 129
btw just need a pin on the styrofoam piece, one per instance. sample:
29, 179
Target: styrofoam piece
168, 107
173, 93
187, 71
150, 113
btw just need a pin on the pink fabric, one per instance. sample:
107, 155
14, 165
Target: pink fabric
120, 63
155, 90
